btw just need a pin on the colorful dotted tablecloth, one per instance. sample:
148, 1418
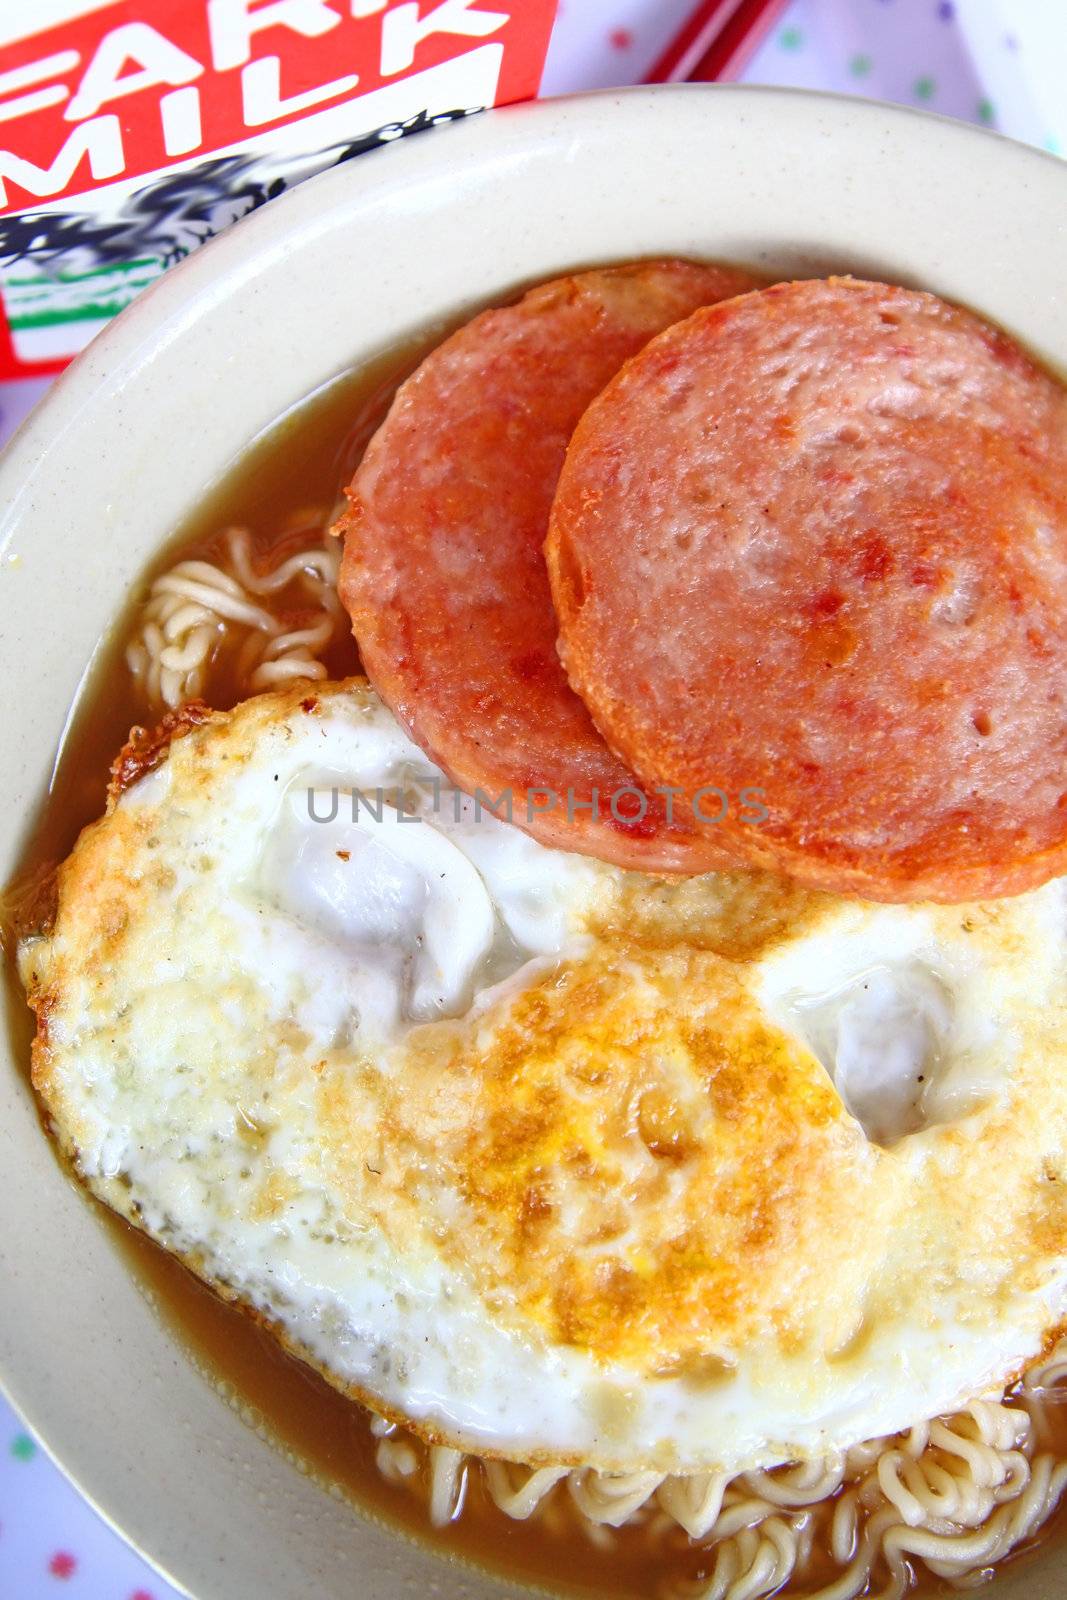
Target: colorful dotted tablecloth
1002, 63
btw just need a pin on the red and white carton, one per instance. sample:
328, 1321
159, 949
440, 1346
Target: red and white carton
133, 130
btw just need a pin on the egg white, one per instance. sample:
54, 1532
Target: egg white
426, 1095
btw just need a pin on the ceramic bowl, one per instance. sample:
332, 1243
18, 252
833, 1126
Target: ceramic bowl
327, 277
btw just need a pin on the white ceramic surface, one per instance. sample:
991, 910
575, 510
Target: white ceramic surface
324, 278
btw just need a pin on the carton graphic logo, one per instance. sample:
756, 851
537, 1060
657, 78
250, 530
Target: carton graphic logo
130, 132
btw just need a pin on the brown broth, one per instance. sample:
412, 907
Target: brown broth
298, 468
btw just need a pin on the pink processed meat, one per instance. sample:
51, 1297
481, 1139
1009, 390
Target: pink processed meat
815, 541
444, 574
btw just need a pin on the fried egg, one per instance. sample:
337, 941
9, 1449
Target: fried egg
552, 1161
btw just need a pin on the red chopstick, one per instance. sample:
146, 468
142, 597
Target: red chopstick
716, 42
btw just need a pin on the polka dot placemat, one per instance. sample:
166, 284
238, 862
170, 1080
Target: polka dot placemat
53, 1546
980, 60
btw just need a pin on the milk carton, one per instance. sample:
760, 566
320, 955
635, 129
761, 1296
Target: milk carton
131, 131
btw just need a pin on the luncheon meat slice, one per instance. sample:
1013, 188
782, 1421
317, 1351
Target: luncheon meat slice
814, 542
444, 574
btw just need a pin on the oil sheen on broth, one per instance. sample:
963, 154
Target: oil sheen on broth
296, 470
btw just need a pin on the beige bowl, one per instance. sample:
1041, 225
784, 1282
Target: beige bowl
127, 441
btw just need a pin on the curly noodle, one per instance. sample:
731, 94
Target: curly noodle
953, 1495
196, 608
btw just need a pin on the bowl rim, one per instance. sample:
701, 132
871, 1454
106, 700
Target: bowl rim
171, 286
